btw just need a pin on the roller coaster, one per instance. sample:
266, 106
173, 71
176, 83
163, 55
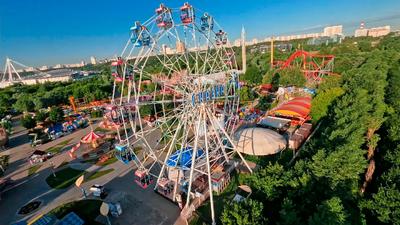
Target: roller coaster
314, 66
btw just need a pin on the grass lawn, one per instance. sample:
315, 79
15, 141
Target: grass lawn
98, 174
32, 170
57, 148
87, 209
204, 211
64, 178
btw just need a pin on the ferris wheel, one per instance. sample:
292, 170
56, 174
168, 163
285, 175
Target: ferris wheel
176, 99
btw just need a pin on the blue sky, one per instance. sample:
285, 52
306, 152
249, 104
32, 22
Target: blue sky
47, 32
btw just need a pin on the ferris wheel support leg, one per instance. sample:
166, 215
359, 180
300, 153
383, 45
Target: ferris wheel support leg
127, 139
234, 146
169, 152
196, 141
209, 176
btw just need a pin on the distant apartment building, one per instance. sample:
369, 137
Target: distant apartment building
371, 32
93, 60
325, 40
330, 31
29, 69
58, 66
333, 30
379, 31
43, 68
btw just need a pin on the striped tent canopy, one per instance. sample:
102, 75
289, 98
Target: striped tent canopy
298, 107
91, 137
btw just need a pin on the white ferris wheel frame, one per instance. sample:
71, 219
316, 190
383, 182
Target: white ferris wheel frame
186, 116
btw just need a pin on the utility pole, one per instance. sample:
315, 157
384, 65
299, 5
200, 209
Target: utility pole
52, 168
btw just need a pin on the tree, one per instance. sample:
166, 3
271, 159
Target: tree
288, 213
56, 114
292, 76
252, 76
6, 124
245, 94
248, 212
270, 180
322, 101
41, 116
24, 103
28, 122
330, 212
146, 110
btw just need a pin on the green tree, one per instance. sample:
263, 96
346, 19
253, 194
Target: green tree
322, 101
56, 114
24, 103
330, 212
292, 76
248, 212
252, 76
245, 94
41, 116
28, 122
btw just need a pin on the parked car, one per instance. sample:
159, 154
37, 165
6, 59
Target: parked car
39, 138
55, 135
97, 190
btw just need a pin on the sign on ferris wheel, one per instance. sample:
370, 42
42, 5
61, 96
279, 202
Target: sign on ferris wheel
176, 100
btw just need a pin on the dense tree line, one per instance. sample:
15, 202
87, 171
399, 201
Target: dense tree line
24, 98
349, 172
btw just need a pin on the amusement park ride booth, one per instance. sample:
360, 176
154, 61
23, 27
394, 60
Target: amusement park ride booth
90, 145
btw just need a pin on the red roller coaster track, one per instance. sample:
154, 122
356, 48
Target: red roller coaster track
314, 66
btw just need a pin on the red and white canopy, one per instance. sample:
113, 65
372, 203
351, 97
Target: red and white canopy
91, 137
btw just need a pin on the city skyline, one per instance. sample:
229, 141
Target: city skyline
77, 39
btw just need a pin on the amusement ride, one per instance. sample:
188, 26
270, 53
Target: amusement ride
176, 101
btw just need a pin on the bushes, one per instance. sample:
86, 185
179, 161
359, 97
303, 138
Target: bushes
286, 77
28, 122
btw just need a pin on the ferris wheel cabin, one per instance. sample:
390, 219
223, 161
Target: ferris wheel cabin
123, 154
164, 19
142, 178
187, 14
139, 35
221, 38
206, 22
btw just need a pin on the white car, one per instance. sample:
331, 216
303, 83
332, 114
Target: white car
97, 190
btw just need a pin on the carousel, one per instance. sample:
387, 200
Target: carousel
91, 145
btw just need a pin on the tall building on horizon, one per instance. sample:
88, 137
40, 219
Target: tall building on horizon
333, 30
93, 60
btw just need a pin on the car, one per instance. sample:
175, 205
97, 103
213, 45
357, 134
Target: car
97, 190
54, 136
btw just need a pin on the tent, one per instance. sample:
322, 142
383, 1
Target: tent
298, 108
87, 144
91, 137
183, 158
259, 141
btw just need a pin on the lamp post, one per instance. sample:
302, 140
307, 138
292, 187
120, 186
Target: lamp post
52, 169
